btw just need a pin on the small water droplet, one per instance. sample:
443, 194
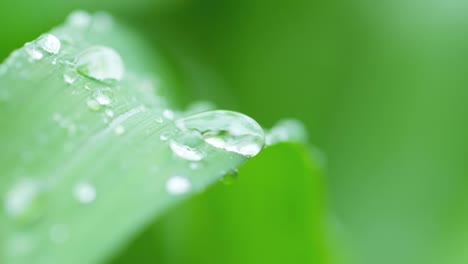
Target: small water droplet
23, 202
230, 177
109, 113
226, 130
102, 98
166, 135
287, 130
168, 114
49, 43
93, 105
59, 233
79, 19
84, 192
100, 63
119, 130
70, 76
185, 152
32, 51
177, 185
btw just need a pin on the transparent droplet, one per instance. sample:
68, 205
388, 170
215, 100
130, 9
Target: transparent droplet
102, 98
119, 130
230, 177
79, 19
84, 192
49, 43
32, 51
93, 105
166, 135
185, 152
286, 130
168, 114
226, 130
177, 185
109, 113
59, 233
70, 76
23, 202
100, 63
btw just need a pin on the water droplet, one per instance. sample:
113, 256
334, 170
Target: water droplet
93, 105
84, 192
185, 152
32, 51
100, 63
226, 130
79, 19
70, 76
102, 98
59, 233
167, 135
168, 114
287, 130
230, 177
23, 201
177, 185
49, 43
119, 130
109, 113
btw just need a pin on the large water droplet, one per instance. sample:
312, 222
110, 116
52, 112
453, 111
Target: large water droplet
101, 63
23, 202
185, 152
84, 192
177, 185
49, 43
226, 130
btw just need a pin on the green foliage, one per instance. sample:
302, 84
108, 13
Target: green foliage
89, 157
272, 213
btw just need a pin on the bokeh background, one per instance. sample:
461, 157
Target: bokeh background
380, 85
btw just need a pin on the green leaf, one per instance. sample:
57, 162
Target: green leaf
272, 213
88, 159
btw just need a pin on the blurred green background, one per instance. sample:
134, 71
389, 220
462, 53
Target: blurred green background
380, 85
